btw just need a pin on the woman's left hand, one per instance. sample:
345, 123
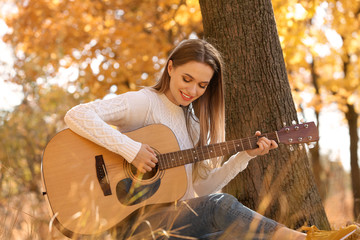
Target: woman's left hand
265, 145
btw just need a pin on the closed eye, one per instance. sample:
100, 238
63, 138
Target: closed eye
202, 85
186, 80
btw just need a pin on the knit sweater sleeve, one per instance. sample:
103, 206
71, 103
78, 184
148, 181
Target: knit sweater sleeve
94, 121
219, 177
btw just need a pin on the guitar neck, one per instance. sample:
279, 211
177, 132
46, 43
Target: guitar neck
179, 158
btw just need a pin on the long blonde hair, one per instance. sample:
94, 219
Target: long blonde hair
209, 108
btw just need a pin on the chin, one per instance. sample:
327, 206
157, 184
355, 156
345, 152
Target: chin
185, 103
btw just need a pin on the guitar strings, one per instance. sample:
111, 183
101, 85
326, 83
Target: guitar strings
187, 156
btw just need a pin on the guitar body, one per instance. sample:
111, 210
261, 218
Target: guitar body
91, 189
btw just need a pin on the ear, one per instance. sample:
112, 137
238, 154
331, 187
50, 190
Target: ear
170, 67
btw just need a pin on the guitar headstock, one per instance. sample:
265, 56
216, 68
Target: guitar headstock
299, 133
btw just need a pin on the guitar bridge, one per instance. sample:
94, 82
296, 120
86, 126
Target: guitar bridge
102, 175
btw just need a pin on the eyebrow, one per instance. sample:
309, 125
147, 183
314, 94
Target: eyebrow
187, 74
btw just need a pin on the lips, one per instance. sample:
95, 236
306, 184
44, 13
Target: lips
186, 97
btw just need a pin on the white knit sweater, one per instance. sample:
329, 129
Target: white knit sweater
134, 110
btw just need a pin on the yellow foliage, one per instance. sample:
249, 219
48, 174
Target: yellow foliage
127, 39
130, 33
308, 45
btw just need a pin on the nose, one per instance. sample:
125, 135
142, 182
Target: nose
192, 90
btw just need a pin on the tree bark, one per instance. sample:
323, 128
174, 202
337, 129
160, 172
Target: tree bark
352, 118
279, 185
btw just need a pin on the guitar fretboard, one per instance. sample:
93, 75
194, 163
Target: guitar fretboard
179, 158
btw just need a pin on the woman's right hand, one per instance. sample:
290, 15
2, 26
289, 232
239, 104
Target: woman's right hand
145, 160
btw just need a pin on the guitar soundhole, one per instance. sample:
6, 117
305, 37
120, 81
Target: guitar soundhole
131, 193
143, 176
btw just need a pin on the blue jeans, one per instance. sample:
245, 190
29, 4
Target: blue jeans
216, 216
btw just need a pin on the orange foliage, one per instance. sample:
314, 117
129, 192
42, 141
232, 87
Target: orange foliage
328, 43
120, 43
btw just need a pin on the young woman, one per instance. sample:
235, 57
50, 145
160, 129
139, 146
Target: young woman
189, 99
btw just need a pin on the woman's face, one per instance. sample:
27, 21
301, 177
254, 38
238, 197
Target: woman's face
188, 82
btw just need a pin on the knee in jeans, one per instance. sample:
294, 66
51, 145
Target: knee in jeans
224, 199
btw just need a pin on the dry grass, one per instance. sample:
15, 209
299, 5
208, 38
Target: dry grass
26, 216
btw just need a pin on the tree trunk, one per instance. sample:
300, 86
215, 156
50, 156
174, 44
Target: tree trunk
279, 185
352, 117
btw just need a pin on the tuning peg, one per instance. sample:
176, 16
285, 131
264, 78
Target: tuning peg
284, 124
293, 122
311, 145
291, 148
300, 146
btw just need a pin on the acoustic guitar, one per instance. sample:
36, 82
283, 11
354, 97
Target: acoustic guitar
91, 189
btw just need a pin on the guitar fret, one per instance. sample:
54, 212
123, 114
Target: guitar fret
192, 155
192, 159
249, 142
181, 158
220, 149
169, 158
196, 158
160, 161
176, 158
223, 148
213, 151
167, 161
208, 151
173, 159
164, 161
199, 150
238, 146
202, 152
243, 143
227, 146
234, 145
187, 158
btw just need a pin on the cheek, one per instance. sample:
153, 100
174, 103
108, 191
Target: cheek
201, 92
174, 88
172, 85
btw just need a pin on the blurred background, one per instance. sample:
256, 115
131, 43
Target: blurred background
55, 54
